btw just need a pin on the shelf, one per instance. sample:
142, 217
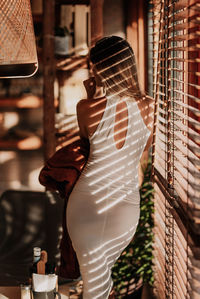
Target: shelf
21, 138
71, 63
28, 143
29, 101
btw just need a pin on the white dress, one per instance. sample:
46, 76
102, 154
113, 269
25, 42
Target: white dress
104, 207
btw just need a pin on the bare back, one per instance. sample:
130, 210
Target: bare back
91, 111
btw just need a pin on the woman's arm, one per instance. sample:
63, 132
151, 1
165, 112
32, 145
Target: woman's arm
83, 107
81, 110
81, 115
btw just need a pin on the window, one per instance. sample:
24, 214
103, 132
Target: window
175, 44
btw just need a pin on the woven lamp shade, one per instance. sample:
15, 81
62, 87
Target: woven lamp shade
18, 55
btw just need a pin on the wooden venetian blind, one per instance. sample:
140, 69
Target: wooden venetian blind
174, 26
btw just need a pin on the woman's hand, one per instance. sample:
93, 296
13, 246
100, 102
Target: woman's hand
90, 86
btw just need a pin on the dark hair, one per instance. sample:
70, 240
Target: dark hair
115, 64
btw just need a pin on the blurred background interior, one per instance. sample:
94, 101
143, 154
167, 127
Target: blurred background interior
38, 117
45, 105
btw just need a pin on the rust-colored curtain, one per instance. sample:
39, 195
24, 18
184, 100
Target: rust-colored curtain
175, 27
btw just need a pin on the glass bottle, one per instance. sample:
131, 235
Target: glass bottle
25, 291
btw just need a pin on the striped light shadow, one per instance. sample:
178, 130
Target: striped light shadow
112, 204
104, 253
98, 276
99, 72
100, 285
108, 242
111, 138
115, 202
107, 175
113, 55
112, 85
91, 173
98, 267
116, 190
106, 156
102, 247
117, 93
111, 135
113, 78
107, 185
102, 293
110, 116
121, 140
118, 73
105, 48
99, 262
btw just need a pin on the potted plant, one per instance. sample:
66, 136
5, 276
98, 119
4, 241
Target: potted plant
62, 35
134, 268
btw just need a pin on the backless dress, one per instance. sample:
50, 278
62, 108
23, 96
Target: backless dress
104, 207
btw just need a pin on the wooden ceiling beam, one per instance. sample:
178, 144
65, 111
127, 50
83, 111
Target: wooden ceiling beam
48, 79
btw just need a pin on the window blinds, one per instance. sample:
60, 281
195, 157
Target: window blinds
174, 43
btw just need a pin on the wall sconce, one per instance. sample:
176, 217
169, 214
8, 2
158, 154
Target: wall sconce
18, 55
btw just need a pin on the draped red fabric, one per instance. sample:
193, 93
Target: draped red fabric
60, 173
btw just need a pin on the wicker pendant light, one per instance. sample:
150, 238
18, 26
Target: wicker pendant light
18, 56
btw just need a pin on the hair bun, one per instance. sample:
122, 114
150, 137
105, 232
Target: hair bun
111, 38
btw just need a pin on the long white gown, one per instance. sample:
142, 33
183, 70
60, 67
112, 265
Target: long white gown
104, 207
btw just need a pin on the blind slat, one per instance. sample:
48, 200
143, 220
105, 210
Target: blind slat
180, 157
193, 159
194, 148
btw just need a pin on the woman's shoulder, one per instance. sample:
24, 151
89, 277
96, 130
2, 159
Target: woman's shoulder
149, 103
82, 103
90, 112
82, 107
150, 108
87, 105
146, 104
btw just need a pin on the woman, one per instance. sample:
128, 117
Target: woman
104, 207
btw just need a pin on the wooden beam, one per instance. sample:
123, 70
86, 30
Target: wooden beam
96, 11
48, 76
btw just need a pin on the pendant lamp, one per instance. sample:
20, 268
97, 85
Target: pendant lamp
18, 55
